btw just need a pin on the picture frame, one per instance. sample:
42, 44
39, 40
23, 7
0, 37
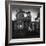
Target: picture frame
35, 8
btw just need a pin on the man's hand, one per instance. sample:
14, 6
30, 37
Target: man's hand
29, 29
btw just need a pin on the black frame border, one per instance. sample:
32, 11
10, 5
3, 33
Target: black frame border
6, 11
